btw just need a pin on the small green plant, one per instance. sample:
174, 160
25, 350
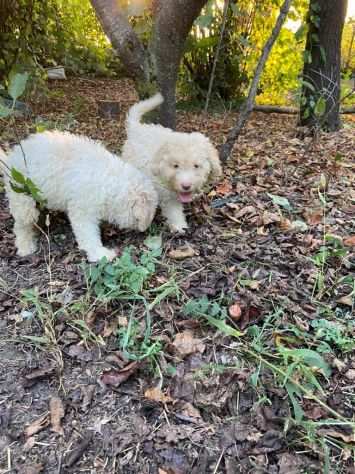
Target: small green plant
332, 334
204, 307
332, 247
18, 182
42, 312
124, 278
133, 344
85, 333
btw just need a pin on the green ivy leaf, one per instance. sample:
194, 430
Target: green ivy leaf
154, 242
320, 107
280, 201
4, 111
18, 176
17, 85
299, 34
204, 21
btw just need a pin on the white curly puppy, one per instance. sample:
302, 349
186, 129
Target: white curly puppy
179, 163
80, 177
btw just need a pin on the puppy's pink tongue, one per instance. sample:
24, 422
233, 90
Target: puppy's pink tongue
185, 197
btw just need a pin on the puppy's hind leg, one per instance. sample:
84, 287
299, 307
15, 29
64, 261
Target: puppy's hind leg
24, 211
87, 233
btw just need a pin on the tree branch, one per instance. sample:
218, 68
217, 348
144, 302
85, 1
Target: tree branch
123, 38
216, 57
248, 105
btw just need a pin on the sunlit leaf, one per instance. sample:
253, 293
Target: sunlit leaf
320, 107
17, 85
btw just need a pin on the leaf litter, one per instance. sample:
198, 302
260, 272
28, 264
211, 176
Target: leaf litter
256, 248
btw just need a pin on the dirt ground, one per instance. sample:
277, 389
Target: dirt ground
71, 400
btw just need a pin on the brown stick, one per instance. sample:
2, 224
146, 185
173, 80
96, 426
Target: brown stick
274, 109
248, 105
216, 57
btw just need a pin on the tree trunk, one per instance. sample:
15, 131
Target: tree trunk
123, 38
320, 100
173, 21
248, 105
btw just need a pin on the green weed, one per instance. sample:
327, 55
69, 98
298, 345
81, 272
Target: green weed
124, 278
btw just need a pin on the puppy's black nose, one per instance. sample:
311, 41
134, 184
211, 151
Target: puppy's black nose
186, 187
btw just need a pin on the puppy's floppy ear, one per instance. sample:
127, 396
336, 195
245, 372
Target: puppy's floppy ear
159, 158
143, 211
213, 158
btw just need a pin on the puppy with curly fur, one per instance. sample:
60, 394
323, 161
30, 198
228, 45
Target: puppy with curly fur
179, 163
80, 177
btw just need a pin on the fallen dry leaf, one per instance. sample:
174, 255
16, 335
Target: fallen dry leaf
245, 210
110, 328
270, 217
37, 375
346, 300
30, 442
157, 395
32, 468
189, 410
235, 312
37, 426
285, 224
314, 217
186, 344
224, 188
349, 241
56, 409
346, 437
181, 253
115, 378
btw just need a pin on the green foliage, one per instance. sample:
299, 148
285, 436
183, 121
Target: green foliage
134, 345
22, 185
332, 248
204, 307
44, 33
249, 24
348, 46
124, 278
17, 85
332, 334
18, 182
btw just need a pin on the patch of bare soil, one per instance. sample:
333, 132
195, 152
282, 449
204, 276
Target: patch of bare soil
272, 246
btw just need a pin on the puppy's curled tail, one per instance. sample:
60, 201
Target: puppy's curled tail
138, 110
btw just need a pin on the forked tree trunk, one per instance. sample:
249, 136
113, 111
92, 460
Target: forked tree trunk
321, 73
123, 39
173, 22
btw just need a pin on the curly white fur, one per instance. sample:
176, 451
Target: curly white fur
179, 163
80, 177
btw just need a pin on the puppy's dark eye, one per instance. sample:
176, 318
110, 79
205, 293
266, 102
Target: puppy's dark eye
196, 166
176, 166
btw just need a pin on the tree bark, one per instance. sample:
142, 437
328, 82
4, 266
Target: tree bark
247, 107
173, 21
320, 101
123, 38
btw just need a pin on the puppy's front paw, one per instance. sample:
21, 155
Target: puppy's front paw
101, 253
178, 229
